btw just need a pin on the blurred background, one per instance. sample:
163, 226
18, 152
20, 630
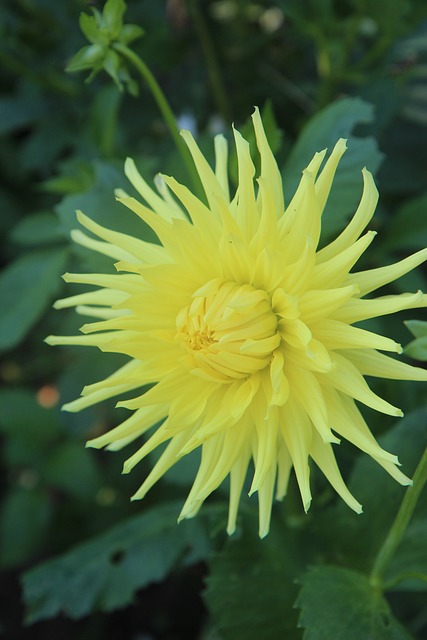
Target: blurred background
318, 69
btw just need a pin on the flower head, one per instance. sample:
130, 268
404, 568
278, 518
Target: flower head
244, 327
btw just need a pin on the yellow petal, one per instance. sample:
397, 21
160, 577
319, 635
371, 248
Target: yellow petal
371, 363
323, 456
221, 163
297, 433
333, 272
339, 335
324, 181
157, 203
357, 224
372, 279
355, 309
270, 173
347, 378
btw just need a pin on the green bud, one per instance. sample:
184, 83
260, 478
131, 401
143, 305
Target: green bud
103, 30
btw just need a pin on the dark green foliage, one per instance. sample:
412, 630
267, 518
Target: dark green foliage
251, 587
407, 438
318, 70
408, 569
27, 286
408, 228
417, 349
339, 603
104, 574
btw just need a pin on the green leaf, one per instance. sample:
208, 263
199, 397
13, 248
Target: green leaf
26, 288
112, 63
339, 603
418, 328
408, 568
88, 57
379, 494
28, 430
407, 228
19, 112
22, 417
38, 229
74, 176
104, 114
417, 349
24, 518
323, 131
112, 15
104, 573
100, 204
251, 586
71, 467
130, 32
91, 30
390, 16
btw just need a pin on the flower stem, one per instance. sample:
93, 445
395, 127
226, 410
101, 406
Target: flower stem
398, 528
165, 110
214, 71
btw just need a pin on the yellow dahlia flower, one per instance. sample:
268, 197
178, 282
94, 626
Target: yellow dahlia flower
244, 327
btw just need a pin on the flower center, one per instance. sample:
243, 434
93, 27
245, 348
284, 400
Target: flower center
228, 331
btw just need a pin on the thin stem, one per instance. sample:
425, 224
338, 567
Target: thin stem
214, 71
406, 575
325, 70
400, 524
165, 110
111, 104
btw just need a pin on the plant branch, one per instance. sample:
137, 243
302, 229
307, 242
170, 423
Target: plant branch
400, 524
165, 110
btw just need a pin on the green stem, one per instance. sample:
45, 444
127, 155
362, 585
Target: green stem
324, 71
400, 524
107, 133
214, 71
405, 575
165, 110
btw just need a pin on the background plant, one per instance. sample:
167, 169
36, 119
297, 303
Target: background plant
91, 564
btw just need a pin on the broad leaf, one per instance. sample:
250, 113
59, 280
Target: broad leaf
104, 573
251, 590
39, 228
71, 468
24, 517
99, 203
408, 569
22, 417
407, 228
17, 112
360, 536
337, 603
27, 286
